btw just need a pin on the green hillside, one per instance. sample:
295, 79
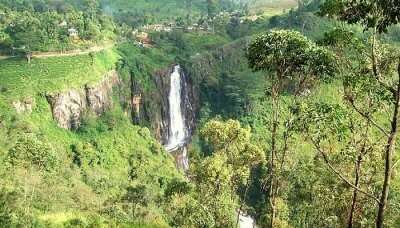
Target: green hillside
290, 113
53, 74
85, 168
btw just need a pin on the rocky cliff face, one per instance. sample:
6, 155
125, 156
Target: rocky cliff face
154, 105
99, 96
151, 108
160, 124
69, 107
190, 102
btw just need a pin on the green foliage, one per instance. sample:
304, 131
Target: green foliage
7, 200
379, 14
233, 157
178, 187
141, 12
213, 177
46, 25
317, 116
137, 195
339, 37
231, 139
288, 53
211, 8
228, 88
31, 151
52, 74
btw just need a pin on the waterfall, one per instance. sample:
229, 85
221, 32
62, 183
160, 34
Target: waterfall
246, 221
177, 127
178, 135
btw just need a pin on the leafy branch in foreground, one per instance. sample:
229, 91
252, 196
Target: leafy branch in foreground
376, 16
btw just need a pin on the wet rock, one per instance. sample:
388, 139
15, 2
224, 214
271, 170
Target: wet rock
150, 107
181, 158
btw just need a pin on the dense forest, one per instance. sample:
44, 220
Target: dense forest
199, 113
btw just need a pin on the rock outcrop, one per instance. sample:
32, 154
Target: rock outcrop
24, 106
181, 157
98, 96
69, 107
190, 102
161, 125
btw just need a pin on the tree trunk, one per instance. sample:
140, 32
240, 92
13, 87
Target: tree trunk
273, 212
355, 191
275, 119
389, 156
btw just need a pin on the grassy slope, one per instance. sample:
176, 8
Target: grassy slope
18, 79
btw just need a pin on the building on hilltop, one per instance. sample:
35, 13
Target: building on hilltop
73, 33
143, 39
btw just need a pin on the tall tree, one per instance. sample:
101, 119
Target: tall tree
286, 57
27, 34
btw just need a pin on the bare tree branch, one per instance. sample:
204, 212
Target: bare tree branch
316, 145
364, 115
396, 163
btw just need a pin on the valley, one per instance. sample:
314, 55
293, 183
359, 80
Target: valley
198, 113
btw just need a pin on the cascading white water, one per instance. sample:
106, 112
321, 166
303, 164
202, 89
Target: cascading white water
246, 221
177, 127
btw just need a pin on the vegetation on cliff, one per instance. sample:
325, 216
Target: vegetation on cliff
297, 114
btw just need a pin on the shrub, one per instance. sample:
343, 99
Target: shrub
30, 150
156, 148
145, 133
6, 202
75, 222
84, 155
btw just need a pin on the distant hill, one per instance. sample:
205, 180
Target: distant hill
141, 12
258, 6
154, 9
